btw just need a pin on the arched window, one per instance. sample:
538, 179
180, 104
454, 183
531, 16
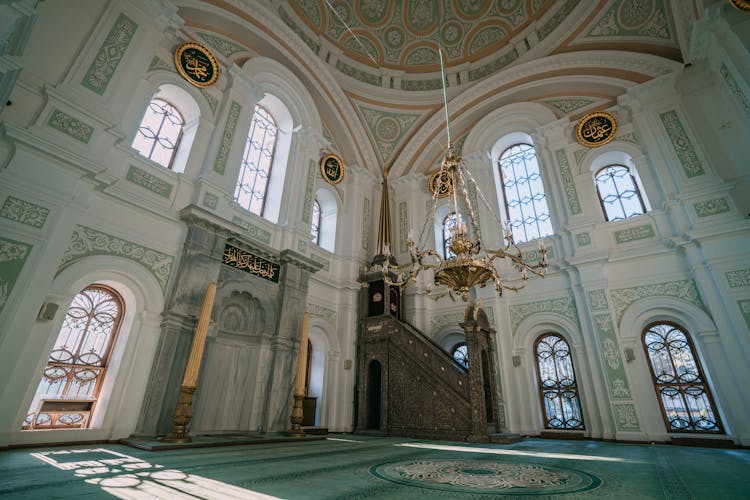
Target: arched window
449, 222
618, 192
558, 389
68, 391
460, 353
315, 227
684, 397
255, 170
525, 201
160, 132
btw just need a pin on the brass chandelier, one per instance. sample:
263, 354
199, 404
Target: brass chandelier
468, 264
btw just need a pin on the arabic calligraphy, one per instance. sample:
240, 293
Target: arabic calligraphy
332, 169
440, 183
196, 64
596, 129
250, 263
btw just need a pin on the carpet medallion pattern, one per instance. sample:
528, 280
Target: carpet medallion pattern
486, 476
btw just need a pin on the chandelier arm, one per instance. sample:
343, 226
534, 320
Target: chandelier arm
481, 196
430, 216
467, 201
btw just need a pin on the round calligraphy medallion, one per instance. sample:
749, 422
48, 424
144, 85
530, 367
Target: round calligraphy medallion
332, 169
440, 183
741, 4
596, 129
196, 64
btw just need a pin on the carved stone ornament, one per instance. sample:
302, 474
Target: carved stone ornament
596, 129
332, 169
440, 183
196, 64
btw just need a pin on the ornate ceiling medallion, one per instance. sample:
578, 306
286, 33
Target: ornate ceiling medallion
440, 183
596, 129
332, 169
196, 64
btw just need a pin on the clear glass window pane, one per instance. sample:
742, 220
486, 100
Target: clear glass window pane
618, 193
557, 383
159, 133
255, 170
681, 388
460, 353
315, 228
523, 190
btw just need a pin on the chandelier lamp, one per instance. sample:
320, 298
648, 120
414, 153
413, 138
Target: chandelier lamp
468, 264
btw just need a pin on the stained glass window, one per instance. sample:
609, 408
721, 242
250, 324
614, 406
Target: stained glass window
557, 383
159, 132
69, 388
618, 193
316, 217
255, 170
525, 201
461, 354
685, 399
449, 223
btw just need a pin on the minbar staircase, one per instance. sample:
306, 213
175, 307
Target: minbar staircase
409, 386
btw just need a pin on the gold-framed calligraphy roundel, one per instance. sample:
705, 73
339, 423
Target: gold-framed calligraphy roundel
596, 129
743, 5
196, 64
332, 169
440, 183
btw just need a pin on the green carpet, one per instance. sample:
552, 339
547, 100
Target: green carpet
346, 466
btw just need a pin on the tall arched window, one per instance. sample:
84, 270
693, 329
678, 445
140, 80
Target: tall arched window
160, 132
684, 397
558, 389
460, 353
449, 223
255, 171
525, 201
68, 391
315, 227
618, 193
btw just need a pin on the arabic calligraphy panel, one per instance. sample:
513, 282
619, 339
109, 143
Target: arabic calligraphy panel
196, 64
245, 261
332, 169
596, 129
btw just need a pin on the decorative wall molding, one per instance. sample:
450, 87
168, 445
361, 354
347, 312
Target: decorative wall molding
583, 239
255, 232
222, 155
366, 225
564, 306
324, 313
707, 208
735, 89
739, 278
302, 246
210, 200
85, 242
598, 300
24, 212
159, 63
643, 19
72, 127
744, 306
685, 290
223, 46
691, 164
318, 259
13, 255
403, 227
149, 181
612, 360
309, 197
634, 233
626, 417
110, 54
568, 182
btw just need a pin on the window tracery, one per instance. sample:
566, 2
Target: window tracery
684, 396
67, 393
315, 226
255, 170
460, 353
618, 192
159, 133
525, 201
558, 389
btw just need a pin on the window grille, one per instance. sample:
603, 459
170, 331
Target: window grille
159, 132
255, 170
618, 193
558, 389
316, 219
460, 353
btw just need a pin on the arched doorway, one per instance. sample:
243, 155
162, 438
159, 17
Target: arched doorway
487, 386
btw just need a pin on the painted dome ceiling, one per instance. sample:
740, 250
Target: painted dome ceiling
479, 37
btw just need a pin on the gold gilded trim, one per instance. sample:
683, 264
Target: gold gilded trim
441, 187
596, 129
202, 71
332, 169
743, 5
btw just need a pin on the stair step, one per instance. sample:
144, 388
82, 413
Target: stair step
314, 430
505, 438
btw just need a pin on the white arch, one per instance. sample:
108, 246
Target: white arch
525, 117
323, 372
124, 386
